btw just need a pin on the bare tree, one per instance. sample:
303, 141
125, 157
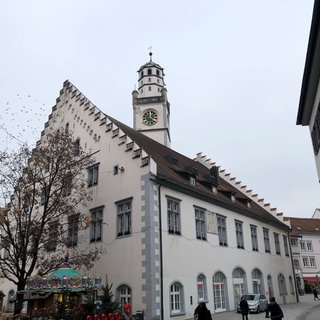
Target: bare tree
44, 191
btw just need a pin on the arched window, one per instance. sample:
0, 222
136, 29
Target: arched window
176, 298
282, 285
219, 292
291, 285
202, 288
124, 294
11, 300
149, 71
257, 281
239, 284
270, 286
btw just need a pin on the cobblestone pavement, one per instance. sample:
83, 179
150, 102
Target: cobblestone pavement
292, 311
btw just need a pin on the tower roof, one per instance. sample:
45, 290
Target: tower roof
150, 64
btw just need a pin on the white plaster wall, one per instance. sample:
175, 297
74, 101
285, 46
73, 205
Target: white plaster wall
311, 123
185, 256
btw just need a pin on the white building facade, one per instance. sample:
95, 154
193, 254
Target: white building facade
175, 231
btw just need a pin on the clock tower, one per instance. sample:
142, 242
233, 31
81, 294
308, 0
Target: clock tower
151, 109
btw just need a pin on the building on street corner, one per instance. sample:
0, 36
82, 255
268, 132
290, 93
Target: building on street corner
175, 231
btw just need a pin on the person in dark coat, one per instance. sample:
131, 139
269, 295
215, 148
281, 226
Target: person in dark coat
201, 312
315, 294
274, 309
244, 308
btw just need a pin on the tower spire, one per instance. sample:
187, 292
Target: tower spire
150, 53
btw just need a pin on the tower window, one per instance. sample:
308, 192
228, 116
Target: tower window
141, 90
149, 79
141, 73
149, 71
149, 88
141, 82
158, 73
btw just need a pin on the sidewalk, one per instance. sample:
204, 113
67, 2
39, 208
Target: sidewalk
292, 311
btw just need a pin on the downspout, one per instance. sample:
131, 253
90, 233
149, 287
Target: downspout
161, 255
292, 265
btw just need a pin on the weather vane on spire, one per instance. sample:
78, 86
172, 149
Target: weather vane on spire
150, 53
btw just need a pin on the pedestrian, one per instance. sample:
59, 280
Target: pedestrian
202, 312
274, 309
315, 294
244, 308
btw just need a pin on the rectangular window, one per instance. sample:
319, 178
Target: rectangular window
44, 196
200, 217
5, 244
124, 218
222, 231
296, 263
312, 262
266, 240
76, 146
96, 224
66, 185
254, 238
305, 261
239, 234
285, 245
52, 241
309, 245
294, 242
277, 243
303, 245
73, 228
173, 216
93, 174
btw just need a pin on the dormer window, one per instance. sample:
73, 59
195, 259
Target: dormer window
192, 180
233, 198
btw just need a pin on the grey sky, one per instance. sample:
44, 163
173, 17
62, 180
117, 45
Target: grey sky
233, 73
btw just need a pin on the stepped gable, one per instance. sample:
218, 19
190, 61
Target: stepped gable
304, 225
173, 169
243, 189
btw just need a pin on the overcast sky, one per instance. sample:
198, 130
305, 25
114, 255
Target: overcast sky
233, 74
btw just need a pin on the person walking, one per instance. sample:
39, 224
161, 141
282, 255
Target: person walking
201, 312
274, 310
244, 308
315, 294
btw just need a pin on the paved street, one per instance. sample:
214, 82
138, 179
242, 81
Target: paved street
293, 311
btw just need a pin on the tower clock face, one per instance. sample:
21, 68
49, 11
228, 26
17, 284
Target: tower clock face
150, 117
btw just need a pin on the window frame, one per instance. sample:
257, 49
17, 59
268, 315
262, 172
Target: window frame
254, 238
93, 175
73, 230
277, 243
176, 295
222, 230
266, 240
174, 216
96, 229
200, 223
239, 234
124, 217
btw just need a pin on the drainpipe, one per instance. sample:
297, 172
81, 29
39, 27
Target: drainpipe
294, 274
161, 255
